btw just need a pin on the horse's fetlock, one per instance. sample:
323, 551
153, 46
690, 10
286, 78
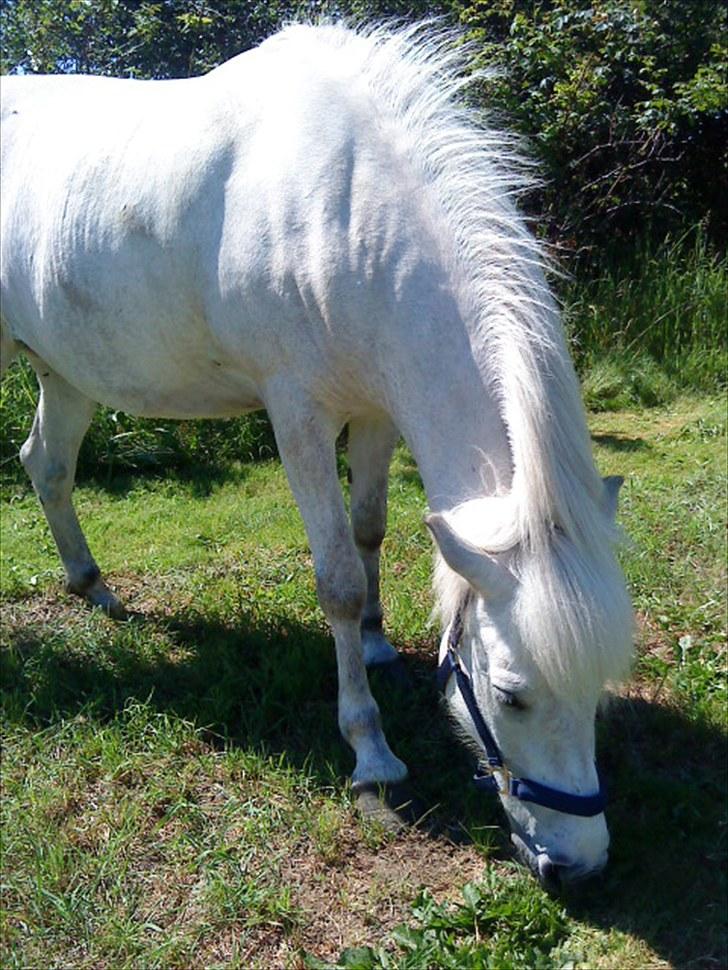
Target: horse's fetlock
364, 722
372, 622
82, 580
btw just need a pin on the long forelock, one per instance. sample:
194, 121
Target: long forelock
571, 609
574, 618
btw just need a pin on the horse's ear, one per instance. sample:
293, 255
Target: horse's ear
612, 485
482, 571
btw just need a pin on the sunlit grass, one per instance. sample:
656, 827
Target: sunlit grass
651, 323
174, 787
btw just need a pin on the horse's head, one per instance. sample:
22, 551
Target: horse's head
530, 642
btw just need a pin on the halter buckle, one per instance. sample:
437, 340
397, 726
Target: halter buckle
504, 781
504, 785
500, 774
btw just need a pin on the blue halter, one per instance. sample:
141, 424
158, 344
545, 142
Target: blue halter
486, 778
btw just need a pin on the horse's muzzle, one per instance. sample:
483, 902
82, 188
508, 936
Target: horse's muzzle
554, 873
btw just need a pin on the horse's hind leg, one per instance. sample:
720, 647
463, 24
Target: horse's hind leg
306, 437
8, 347
49, 457
371, 443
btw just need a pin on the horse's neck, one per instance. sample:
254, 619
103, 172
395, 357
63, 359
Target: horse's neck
463, 459
457, 437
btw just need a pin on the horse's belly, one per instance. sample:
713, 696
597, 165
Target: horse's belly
218, 395
137, 367
204, 386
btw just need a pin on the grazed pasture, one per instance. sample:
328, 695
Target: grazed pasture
174, 786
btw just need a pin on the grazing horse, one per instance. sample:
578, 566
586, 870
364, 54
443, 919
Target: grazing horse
318, 228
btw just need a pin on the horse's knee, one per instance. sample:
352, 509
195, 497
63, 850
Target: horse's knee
341, 585
369, 524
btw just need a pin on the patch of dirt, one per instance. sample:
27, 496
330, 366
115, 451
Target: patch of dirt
652, 640
360, 898
50, 607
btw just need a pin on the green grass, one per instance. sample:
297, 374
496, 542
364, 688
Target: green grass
651, 324
501, 921
174, 787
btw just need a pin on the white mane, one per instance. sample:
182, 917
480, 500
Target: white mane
572, 608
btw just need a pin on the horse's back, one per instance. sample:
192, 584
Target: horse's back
203, 234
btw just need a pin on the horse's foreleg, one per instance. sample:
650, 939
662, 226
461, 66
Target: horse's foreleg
371, 443
49, 457
306, 441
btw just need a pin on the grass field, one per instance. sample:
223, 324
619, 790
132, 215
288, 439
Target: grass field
174, 787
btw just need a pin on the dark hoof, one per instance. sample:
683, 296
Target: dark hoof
115, 610
394, 673
99, 595
393, 806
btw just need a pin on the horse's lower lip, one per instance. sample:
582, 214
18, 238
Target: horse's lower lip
552, 875
525, 853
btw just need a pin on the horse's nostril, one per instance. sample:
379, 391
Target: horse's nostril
551, 874
559, 875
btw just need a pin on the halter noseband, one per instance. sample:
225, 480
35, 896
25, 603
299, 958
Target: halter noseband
487, 778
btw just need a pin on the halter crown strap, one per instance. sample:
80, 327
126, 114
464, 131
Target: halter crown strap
524, 789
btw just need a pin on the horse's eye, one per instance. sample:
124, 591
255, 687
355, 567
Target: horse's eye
508, 698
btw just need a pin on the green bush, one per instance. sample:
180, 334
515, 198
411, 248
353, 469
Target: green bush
626, 102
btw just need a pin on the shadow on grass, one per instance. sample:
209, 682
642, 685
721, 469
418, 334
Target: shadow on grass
618, 442
666, 879
196, 480
264, 684
270, 685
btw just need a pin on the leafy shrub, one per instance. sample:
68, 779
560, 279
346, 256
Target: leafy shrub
626, 102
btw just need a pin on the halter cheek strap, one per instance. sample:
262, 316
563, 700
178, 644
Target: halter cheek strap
493, 775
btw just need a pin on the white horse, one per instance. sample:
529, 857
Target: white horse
317, 228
